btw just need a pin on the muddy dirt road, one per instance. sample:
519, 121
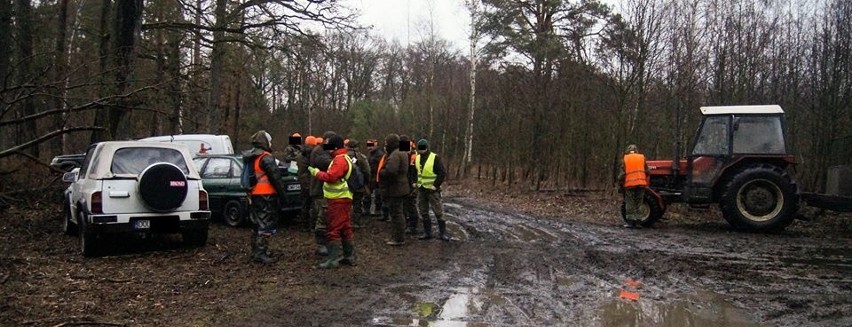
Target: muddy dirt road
505, 267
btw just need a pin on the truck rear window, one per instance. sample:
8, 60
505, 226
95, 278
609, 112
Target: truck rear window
135, 160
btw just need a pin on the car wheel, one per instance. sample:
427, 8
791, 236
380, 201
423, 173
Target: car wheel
195, 237
650, 210
233, 213
163, 186
760, 198
68, 228
88, 240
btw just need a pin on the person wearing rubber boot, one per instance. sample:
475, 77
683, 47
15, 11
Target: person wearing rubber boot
339, 198
263, 196
302, 163
319, 159
633, 179
430, 176
359, 196
394, 187
375, 153
409, 206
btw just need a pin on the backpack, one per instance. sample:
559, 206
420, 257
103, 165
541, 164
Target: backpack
248, 179
356, 179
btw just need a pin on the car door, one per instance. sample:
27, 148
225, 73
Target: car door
216, 178
81, 187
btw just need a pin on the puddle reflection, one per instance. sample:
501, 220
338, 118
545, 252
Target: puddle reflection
704, 309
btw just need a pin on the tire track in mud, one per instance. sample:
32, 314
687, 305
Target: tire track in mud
528, 271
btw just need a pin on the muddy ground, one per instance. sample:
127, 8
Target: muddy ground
517, 259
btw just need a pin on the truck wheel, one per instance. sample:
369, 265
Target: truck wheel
68, 228
650, 210
760, 198
233, 213
89, 243
195, 237
163, 187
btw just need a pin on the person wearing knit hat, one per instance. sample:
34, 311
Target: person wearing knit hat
310, 140
302, 163
633, 179
394, 186
291, 152
338, 196
409, 206
374, 155
430, 177
263, 208
319, 159
359, 196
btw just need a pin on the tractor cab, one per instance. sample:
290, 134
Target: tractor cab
732, 137
739, 159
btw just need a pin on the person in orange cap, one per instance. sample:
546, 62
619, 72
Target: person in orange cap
302, 163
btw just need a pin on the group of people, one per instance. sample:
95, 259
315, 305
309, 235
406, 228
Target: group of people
401, 184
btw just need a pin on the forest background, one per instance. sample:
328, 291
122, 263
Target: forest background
547, 96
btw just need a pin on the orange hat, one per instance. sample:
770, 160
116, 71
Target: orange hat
311, 140
319, 140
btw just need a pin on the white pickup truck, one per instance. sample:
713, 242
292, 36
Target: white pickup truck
135, 187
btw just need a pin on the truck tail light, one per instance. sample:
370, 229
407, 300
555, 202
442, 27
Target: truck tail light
202, 200
97, 203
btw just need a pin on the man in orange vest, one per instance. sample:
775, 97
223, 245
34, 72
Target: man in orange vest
263, 200
633, 181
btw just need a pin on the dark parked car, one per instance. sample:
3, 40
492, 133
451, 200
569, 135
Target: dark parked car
220, 175
67, 162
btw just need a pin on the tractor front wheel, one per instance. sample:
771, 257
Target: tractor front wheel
760, 198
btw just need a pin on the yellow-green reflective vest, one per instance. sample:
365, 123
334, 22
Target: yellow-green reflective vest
340, 188
426, 175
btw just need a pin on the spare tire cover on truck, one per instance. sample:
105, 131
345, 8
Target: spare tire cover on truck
162, 186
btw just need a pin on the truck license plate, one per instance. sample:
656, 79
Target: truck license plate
294, 187
142, 224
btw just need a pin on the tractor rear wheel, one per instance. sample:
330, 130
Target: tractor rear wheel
760, 198
650, 210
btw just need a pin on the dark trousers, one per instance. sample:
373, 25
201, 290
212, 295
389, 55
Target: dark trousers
397, 217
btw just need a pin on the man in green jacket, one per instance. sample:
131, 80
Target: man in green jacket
430, 176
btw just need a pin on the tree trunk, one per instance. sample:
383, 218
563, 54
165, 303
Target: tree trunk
59, 66
217, 61
5, 59
127, 26
105, 89
29, 129
473, 7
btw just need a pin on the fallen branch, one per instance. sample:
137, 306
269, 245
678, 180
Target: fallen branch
38, 161
89, 323
46, 137
8, 195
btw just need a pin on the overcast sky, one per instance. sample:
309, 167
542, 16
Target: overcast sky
407, 21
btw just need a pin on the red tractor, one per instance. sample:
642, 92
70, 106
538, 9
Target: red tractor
740, 160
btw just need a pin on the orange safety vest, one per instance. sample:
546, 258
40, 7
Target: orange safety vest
634, 170
381, 165
263, 186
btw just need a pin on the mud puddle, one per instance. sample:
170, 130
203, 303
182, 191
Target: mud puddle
704, 309
530, 271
